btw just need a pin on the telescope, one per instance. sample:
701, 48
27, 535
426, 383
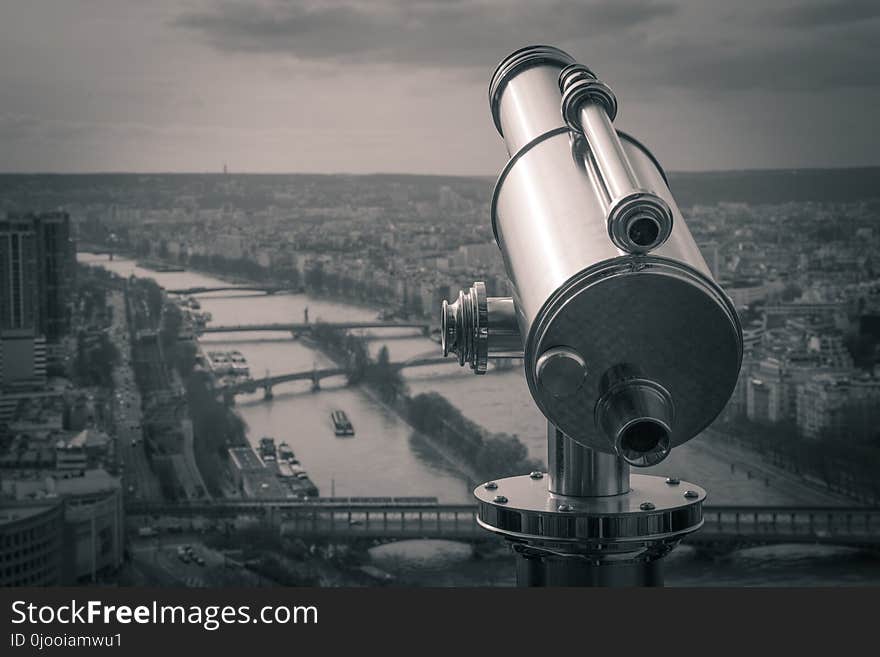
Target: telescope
629, 347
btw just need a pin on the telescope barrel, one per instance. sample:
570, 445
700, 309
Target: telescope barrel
523, 94
629, 346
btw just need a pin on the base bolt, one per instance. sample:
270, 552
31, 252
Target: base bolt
490, 486
691, 494
565, 508
537, 475
673, 481
647, 506
500, 499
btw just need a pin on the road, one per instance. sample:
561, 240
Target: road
158, 560
745, 462
138, 478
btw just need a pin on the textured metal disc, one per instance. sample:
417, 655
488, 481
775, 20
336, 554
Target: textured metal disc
649, 316
652, 510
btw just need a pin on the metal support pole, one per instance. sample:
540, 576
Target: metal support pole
579, 471
557, 571
591, 523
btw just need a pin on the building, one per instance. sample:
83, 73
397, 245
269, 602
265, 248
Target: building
31, 543
23, 358
768, 394
19, 284
843, 406
746, 293
56, 258
93, 528
830, 348
37, 267
70, 455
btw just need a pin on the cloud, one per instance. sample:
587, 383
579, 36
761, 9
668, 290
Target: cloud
435, 33
644, 44
768, 61
828, 14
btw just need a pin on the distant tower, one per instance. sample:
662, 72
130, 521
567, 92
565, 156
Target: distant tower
225, 170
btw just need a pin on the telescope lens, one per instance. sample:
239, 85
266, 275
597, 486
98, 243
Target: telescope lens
643, 231
644, 442
642, 436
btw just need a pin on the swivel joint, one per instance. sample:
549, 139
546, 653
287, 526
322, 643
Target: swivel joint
476, 327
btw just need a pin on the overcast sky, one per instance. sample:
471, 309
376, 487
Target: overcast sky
400, 85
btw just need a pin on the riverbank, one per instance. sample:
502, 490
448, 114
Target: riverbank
455, 462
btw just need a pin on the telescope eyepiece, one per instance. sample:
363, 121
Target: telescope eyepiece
477, 327
640, 222
643, 231
464, 328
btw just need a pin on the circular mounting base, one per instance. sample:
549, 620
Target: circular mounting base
655, 509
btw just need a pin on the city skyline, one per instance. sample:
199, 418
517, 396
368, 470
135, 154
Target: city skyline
401, 87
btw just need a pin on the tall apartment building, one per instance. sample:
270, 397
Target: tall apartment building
19, 279
36, 280
56, 269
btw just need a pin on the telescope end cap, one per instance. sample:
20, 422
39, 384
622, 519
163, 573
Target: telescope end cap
516, 62
644, 442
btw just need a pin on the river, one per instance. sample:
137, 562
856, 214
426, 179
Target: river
384, 458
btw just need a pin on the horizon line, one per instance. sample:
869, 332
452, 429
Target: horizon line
397, 173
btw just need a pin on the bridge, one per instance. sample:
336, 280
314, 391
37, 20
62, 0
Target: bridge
97, 249
301, 327
799, 309
401, 518
313, 375
268, 289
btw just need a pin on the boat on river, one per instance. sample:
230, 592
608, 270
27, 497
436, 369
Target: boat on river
341, 424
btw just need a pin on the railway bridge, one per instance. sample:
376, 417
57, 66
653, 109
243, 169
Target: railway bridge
302, 327
189, 291
402, 518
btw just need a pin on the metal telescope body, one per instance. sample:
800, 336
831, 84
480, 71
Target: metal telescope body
629, 346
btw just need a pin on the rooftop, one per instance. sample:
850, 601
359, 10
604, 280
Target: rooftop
45, 486
16, 512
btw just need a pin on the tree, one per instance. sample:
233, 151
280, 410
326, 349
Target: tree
386, 377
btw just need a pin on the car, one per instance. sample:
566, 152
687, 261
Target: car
199, 560
134, 442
